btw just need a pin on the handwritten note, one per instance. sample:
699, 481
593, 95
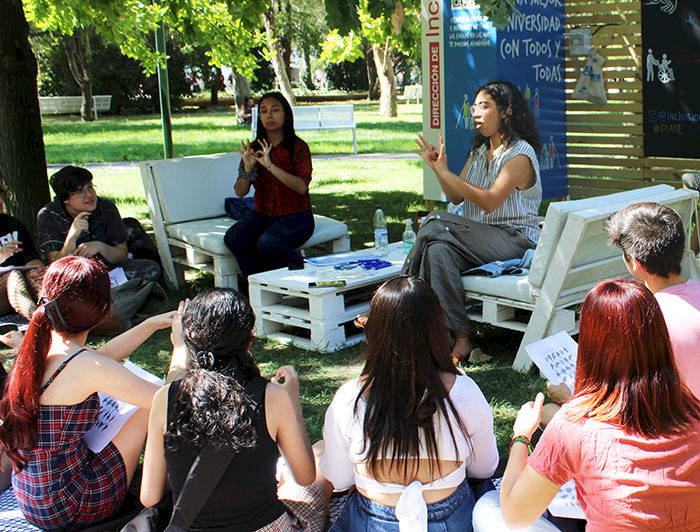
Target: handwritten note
114, 413
565, 503
556, 358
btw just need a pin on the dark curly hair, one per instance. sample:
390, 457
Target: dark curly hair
212, 407
517, 121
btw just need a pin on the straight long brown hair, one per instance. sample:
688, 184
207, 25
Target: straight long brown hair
625, 373
407, 349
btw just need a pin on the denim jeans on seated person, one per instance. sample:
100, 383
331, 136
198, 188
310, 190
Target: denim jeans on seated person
453, 514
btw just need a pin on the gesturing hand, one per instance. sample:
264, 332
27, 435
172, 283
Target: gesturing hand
9, 248
435, 158
248, 156
80, 224
89, 249
263, 155
529, 417
291, 380
176, 324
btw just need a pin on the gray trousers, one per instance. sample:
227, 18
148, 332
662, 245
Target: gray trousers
448, 244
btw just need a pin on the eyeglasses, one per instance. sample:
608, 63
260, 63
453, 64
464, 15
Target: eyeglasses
87, 189
481, 106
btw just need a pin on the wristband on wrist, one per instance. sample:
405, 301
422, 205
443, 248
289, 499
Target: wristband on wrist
249, 176
524, 440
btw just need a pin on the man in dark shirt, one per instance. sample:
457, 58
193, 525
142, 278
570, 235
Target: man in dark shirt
79, 222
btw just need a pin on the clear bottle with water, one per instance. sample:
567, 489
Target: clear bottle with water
381, 235
409, 237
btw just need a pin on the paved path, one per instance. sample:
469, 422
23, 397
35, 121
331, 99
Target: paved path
126, 165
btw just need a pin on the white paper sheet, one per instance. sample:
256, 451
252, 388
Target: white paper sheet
114, 413
556, 358
117, 277
565, 503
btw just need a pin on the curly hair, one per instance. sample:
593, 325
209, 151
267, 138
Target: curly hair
517, 121
212, 407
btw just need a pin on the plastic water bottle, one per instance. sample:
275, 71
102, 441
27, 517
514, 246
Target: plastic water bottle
381, 235
409, 237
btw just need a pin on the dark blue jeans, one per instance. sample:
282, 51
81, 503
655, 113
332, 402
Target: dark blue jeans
453, 514
261, 243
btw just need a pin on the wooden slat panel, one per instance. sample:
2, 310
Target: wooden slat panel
627, 140
624, 130
574, 20
607, 120
622, 184
600, 7
673, 163
630, 84
594, 160
614, 107
575, 149
575, 170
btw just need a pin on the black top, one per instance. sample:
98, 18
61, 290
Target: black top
12, 229
246, 497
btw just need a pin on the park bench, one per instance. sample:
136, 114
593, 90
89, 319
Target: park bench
315, 117
413, 92
571, 257
186, 203
61, 105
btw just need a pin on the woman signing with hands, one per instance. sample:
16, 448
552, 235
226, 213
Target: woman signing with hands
501, 190
278, 164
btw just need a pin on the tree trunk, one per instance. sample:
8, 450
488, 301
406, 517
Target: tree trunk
23, 185
79, 56
277, 61
308, 81
387, 81
372, 81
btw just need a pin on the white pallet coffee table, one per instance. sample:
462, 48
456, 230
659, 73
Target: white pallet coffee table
321, 319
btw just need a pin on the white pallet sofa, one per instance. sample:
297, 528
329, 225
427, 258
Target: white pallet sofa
572, 256
319, 117
59, 105
186, 203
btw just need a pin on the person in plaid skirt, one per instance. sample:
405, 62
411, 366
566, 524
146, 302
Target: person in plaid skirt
51, 400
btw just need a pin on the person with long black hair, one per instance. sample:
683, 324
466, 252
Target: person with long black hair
278, 164
409, 430
221, 401
501, 190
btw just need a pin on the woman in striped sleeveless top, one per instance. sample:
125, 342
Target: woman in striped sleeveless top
501, 190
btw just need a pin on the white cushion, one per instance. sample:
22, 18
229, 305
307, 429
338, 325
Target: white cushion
209, 234
512, 287
194, 188
556, 219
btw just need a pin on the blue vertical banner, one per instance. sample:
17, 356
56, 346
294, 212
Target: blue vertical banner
462, 50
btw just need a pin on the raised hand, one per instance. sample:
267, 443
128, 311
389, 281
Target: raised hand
529, 417
80, 224
263, 155
288, 379
247, 156
9, 248
434, 157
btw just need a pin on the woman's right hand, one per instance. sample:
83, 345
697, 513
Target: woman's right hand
8, 249
529, 417
291, 380
176, 331
247, 156
434, 157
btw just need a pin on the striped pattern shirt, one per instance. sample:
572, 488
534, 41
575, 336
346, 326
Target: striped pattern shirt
519, 210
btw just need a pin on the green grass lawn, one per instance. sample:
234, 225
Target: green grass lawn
343, 188
138, 138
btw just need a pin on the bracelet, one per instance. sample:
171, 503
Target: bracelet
521, 439
249, 176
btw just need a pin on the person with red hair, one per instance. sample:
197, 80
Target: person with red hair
51, 400
629, 437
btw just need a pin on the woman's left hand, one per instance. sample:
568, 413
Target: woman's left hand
263, 155
529, 417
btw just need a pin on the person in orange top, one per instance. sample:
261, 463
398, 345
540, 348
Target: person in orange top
278, 164
630, 436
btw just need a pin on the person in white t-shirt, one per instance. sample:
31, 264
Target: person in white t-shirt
411, 428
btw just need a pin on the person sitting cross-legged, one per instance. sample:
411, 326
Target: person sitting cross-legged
79, 222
